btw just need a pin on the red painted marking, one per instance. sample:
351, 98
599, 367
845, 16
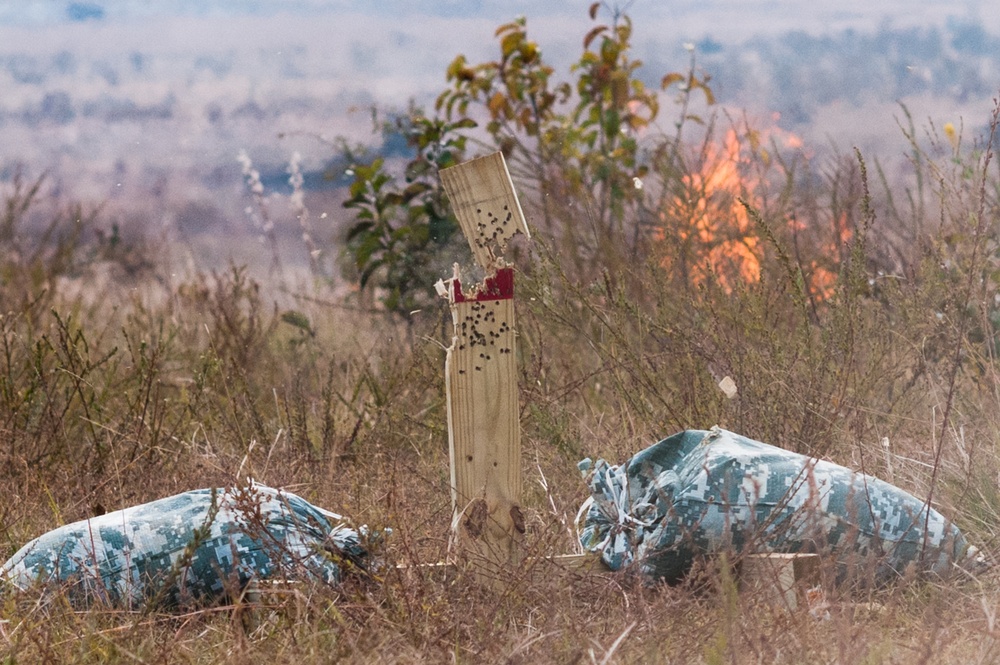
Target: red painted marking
498, 287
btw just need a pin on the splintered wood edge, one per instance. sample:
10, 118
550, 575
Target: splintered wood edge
500, 286
487, 208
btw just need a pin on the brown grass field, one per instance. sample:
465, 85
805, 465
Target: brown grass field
858, 318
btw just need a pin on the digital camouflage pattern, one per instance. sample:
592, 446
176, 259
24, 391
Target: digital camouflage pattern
194, 547
699, 492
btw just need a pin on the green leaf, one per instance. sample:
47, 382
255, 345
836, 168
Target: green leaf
594, 32
358, 229
510, 43
508, 27
366, 250
415, 190
367, 273
391, 301
456, 67
709, 97
497, 103
417, 168
670, 79
297, 319
529, 51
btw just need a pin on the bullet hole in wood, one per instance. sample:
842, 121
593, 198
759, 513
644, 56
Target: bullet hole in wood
517, 517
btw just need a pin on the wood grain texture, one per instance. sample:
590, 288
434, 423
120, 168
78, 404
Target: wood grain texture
483, 430
484, 433
779, 578
483, 199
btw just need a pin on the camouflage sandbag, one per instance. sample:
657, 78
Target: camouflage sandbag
700, 492
195, 547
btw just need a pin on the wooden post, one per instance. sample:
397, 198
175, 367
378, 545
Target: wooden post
780, 579
484, 432
483, 198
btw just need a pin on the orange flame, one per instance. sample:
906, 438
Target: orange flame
712, 232
708, 221
821, 273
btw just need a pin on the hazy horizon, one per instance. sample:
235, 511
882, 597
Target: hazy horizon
136, 103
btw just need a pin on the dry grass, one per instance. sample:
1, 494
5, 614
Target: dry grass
110, 401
